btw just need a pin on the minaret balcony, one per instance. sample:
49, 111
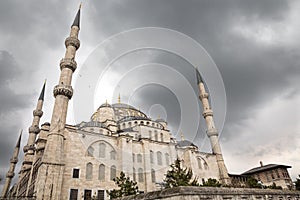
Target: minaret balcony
65, 90
204, 95
208, 112
38, 113
73, 41
68, 63
14, 160
10, 174
212, 132
28, 148
34, 129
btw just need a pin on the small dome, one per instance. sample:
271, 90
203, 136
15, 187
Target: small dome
105, 105
185, 143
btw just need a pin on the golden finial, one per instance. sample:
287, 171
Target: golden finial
45, 81
119, 98
182, 137
158, 117
106, 102
80, 5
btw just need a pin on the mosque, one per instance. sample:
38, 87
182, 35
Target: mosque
79, 161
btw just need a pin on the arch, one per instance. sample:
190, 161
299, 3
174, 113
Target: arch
102, 148
161, 137
133, 174
199, 160
101, 176
153, 175
167, 157
113, 172
139, 158
90, 151
156, 135
89, 171
151, 157
159, 158
150, 135
113, 155
140, 175
133, 157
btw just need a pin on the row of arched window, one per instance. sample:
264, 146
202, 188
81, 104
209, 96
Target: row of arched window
155, 135
130, 124
159, 159
202, 164
101, 172
141, 175
102, 152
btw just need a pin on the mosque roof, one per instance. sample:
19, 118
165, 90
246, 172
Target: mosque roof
185, 143
265, 168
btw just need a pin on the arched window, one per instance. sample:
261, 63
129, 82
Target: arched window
139, 158
199, 163
133, 157
156, 135
101, 172
113, 155
134, 176
151, 157
159, 158
90, 151
153, 176
150, 135
205, 166
113, 172
89, 171
167, 159
141, 175
129, 124
161, 137
102, 147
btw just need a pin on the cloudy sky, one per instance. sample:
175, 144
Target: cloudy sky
255, 47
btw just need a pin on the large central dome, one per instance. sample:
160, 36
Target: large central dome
117, 111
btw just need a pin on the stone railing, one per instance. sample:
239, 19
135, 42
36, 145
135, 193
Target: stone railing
211, 193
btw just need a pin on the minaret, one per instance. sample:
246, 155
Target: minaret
212, 132
33, 131
10, 174
53, 158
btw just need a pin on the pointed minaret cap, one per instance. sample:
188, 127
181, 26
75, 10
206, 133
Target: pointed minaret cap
43, 92
77, 18
198, 75
19, 140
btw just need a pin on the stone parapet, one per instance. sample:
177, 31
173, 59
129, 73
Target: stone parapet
68, 63
73, 41
34, 129
38, 113
212, 193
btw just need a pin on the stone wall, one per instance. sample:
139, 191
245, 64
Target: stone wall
210, 193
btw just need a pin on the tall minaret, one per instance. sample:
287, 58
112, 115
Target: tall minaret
11, 172
33, 131
52, 167
212, 132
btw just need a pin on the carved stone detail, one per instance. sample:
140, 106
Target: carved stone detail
34, 129
68, 63
38, 113
63, 90
28, 147
72, 41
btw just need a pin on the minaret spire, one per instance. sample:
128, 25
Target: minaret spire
53, 158
11, 172
33, 131
212, 132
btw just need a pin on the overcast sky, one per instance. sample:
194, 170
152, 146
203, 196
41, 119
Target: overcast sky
254, 44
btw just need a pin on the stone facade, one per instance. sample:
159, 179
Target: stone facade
199, 193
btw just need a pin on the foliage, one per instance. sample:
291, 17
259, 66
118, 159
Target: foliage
178, 176
274, 186
127, 187
253, 183
211, 182
297, 183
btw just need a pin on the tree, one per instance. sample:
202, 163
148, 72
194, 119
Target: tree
127, 187
178, 176
253, 183
297, 183
211, 182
